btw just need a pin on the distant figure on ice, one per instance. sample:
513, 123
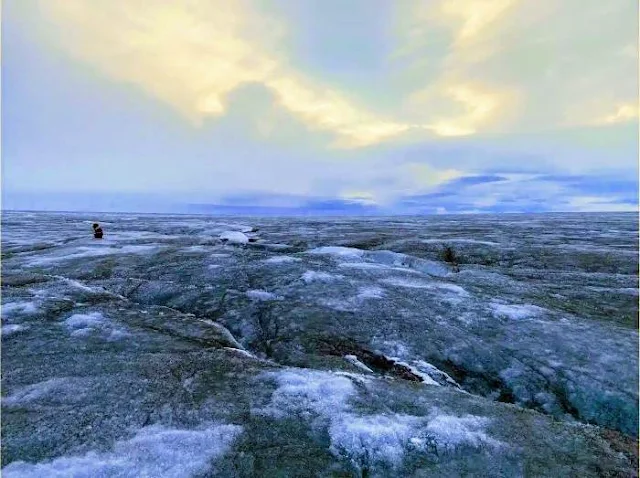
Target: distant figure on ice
97, 231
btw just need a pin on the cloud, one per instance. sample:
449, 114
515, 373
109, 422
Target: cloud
193, 54
526, 193
623, 113
541, 64
499, 65
424, 175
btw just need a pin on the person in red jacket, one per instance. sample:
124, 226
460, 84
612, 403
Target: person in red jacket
97, 231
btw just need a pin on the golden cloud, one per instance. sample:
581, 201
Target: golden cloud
537, 62
192, 54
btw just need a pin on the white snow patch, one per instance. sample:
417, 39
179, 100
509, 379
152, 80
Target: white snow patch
153, 451
262, 295
59, 389
78, 285
281, 260
240, 352
12, 329
22, 307
354, 360
516, 312
309, 393
363, 265
463, 241
371, 292
337, 251
372, 439
234, 237
197, 248
338, 304
451, 431
316, 276
408, 262
94, 322
84, 321
421, 284
452, 288
409, 283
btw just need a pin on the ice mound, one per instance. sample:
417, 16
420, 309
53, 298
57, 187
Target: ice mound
234, 237
153, 451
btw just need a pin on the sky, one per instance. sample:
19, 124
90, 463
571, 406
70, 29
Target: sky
354, 107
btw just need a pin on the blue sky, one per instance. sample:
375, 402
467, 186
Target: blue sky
376, 106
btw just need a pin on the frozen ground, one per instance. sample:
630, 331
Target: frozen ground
197, 346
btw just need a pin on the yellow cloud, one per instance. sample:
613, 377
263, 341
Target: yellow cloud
192, 54
538, 58
601, 113
626, 112
477, 107
474, 16
327, 109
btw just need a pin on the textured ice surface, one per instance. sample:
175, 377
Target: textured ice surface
324, 340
